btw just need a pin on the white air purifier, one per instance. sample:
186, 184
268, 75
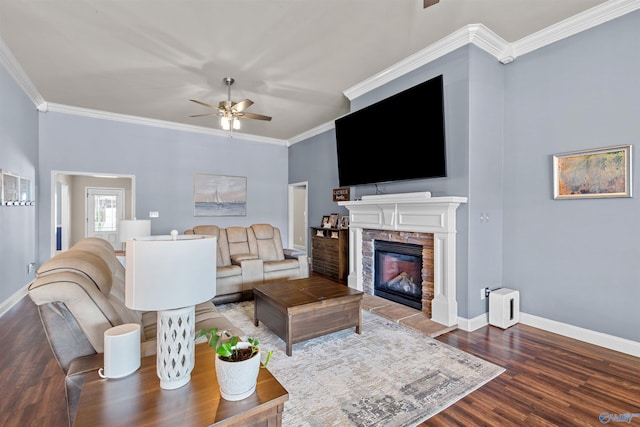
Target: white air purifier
504, 307
121, 351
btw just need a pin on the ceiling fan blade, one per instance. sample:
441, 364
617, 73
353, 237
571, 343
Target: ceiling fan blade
242, 105
254, 116
206, 114
428, 3
213, 107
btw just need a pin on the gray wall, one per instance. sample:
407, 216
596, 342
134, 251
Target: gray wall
573, 261
18, 154
163, 162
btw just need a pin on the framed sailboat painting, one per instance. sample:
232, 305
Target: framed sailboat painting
219, 195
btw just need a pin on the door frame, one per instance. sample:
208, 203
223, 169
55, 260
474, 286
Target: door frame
295, 217
54, 179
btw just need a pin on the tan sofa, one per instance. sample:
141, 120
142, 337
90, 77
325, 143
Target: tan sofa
80, 294
251, 255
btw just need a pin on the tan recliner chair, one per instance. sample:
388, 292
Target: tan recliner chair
80, 294
266, 243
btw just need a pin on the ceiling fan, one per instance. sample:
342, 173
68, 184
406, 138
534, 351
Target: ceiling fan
230, 112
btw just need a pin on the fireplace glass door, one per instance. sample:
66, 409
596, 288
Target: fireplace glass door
398, 273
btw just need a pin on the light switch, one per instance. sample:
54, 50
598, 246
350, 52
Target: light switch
154, 214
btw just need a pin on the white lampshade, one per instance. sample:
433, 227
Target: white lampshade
171, 275
132, 228
165, 274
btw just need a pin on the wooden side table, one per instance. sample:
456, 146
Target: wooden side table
138, 400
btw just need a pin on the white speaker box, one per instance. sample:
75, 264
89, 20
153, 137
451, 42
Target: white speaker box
121, 351
504, 307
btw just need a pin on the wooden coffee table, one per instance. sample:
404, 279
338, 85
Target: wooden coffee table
298, 310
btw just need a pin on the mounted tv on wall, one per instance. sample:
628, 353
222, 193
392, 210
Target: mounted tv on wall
399, 138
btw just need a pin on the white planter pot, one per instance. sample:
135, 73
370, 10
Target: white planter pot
237, 380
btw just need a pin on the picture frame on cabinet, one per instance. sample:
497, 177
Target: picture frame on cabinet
325, 222
344, 222
333, 220
594, 173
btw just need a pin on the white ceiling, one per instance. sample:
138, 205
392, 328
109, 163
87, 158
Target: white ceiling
293, 58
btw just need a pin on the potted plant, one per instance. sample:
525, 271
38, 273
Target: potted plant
237, 363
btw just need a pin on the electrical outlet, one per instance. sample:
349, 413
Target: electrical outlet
484, 292
31, 267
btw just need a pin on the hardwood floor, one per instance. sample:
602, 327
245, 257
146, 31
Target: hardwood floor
550, 380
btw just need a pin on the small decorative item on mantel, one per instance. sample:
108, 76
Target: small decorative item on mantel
237, 363
341, 194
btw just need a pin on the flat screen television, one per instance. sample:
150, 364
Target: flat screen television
399, 138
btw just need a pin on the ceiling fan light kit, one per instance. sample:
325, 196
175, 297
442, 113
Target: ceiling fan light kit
231, 112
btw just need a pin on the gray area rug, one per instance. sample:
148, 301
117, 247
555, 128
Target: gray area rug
387, 376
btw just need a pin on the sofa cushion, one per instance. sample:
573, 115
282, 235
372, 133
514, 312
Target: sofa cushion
228, 271
286, 264
222, 255
81, 262
104, 250
238, 240
268, 242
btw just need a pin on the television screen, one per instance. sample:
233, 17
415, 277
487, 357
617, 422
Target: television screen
399, 138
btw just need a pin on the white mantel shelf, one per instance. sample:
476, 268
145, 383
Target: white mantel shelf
413, 212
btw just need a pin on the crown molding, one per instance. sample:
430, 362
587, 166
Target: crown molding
583, 21
487, 40
477, 34
312, 132
15, 70
97, 114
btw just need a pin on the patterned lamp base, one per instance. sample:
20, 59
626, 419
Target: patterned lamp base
176, 352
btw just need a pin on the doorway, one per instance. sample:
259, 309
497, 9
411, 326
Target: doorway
69, 218
298, 221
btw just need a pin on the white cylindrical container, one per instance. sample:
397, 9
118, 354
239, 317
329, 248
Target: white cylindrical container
121, 351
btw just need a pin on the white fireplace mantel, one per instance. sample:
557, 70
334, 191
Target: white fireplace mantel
413, 212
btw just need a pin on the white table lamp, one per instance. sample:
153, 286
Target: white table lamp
132, 228
171, 275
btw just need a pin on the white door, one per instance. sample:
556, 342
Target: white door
298, 222
104, 210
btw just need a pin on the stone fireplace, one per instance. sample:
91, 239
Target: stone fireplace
409, 257
418, 219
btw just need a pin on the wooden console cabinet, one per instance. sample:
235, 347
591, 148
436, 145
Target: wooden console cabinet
330, 252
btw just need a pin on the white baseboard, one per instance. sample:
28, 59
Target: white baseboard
611, 342
13, 299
